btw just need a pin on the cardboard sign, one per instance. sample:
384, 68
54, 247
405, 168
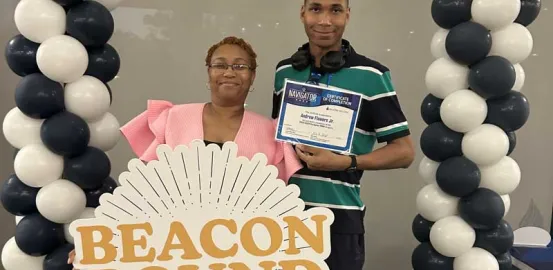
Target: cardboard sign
203, 207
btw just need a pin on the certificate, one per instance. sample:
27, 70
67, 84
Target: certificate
318, 116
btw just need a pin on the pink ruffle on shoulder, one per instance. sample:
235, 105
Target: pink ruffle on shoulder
165, 123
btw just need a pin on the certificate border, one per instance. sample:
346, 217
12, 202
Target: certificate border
351, 133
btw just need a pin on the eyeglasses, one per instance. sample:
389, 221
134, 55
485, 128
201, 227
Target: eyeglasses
224, 66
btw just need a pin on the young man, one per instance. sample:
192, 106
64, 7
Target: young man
329, 179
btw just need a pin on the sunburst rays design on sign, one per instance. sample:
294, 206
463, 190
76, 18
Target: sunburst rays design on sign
203, 207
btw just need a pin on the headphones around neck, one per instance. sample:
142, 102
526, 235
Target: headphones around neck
330, 62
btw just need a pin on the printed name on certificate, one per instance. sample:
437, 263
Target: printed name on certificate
318, 116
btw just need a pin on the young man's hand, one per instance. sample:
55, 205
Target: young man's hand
322, 159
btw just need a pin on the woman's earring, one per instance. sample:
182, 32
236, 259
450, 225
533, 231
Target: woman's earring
207, 86
251, 89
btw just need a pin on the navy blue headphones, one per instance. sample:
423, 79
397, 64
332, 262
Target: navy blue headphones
330, 62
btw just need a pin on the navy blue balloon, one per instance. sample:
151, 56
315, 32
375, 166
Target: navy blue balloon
103, 63
421, 228
93, 196
68, 3
505, 261
65, 134
492, 77
512, 142
458, 176
39, 97
91, 23
20, 55
483, 209
438, 142
529, 11
18, 198
57, 260
498, 240
468, 43
430, 109
37, 236
88, 170
425, 257
509, 112
449, 13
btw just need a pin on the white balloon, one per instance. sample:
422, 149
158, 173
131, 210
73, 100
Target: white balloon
62, 58
36, 166
110, 4
495, 14
485, 145
104, 133
18, 218
502, 177
21, 130
87, 213
476, 259
514, 42
463, 110
452, 236
87, 97
445, 76
437, 46
427, 170
521, 77
15, 259
61, 201
433, 204
39, 20
507, 202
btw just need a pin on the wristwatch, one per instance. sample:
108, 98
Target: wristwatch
353, 165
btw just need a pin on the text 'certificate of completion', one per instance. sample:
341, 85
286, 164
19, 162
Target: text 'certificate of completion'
318, 116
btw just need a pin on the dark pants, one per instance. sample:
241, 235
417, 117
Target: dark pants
347, 252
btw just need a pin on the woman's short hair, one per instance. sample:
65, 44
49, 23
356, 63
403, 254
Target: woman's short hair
232, 40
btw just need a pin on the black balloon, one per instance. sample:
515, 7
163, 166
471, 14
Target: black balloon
93, 196
90, 23
103, 63
38, 236
68, 3
497, 240
421, 228
57, 260
483, 209
509, 112
39, 97
65, 134
449, 13
529, 11
492, 77
18, 198
505, 261
512, 141
425, 257
468, 43
20, 55
430, 109
439, 143
458, 176
88, 170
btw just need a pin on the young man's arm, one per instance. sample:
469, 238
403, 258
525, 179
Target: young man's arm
382, 115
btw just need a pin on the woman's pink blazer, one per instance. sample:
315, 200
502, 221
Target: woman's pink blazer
165, 123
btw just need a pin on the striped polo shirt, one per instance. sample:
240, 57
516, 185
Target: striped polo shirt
380, 120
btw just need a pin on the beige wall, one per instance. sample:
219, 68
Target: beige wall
162, 44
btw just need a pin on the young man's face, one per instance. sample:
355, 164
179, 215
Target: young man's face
325, 21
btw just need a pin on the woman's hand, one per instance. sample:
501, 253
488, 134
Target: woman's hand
71, 258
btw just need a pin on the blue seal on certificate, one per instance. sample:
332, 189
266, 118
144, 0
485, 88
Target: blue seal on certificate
318, 116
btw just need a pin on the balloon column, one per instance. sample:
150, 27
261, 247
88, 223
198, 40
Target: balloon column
473, 109
60, 127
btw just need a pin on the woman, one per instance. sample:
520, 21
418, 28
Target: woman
231, 71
